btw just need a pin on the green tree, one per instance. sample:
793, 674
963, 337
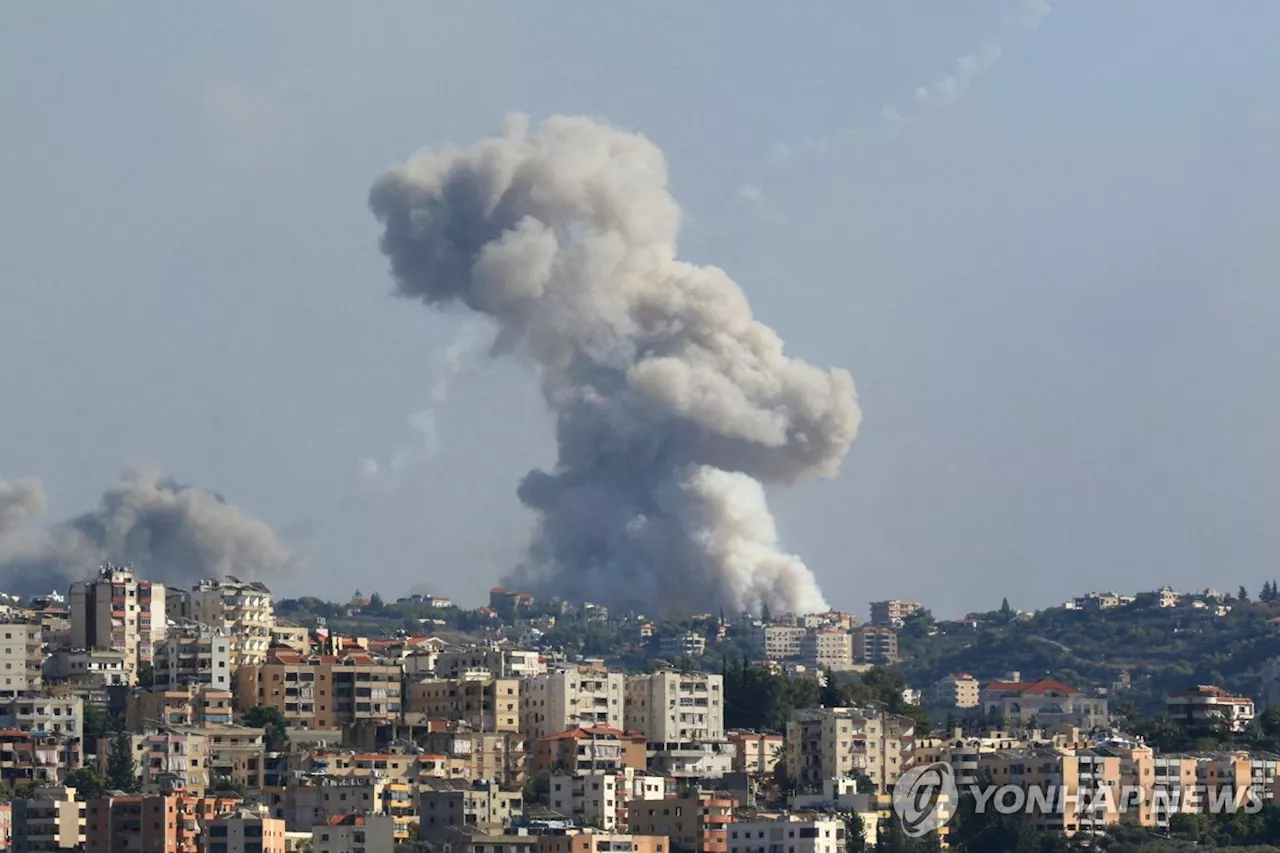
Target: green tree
223, 784
1243, 594
88, 784
375, 605
122, 770
272, 722
146, 675
537, 788
855, 833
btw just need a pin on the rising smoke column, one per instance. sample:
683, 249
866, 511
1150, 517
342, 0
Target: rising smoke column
673, 405
168, 532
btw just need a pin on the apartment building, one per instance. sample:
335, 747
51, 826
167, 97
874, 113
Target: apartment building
793, 834
958, 691
55, 722
675, 707
52, 819
243, 612
601, 799
598, 748
777, 642
445, 805
174, 756
192, 653
827, 743
1046, 702
472, 755
322, 692
159, 823
964, 754
590, 841
699, 824
877, 645
827, 648
893, 611
89, 668
1074, 791
245, 830
117, 611
371, 833
499, 663
314, 802
21, 656
567, 699
194, 705
756, 753
475, 698
688, 644
1206, 704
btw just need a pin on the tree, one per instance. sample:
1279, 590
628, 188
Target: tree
88, 784
122, 770
537, 788
1243, 594
226, 785
375, 605
146, 675
765, 615
855, 833
272, 722
1006, 612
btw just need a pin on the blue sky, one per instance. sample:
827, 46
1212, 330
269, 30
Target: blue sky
1054, 288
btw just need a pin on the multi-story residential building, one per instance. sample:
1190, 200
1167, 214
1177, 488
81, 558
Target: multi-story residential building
236, 753
675, 707
117, 611
317, 800
445, 805
241, 611
89, 668
245, 830
959, 691
1076, 789
875, 645
192, 654
371, 833
827, 743
599, 749
964, 754
688, 644
601, 799
1044, 702
321, 692
476, 698
794, 834
499, 663
52, 819
56, 722
589, 841
777, 642
754, 753
1206, 704
700, 824
175, 756
472, 755
893, 611
193, 705
21, 656
509, 603
570, 698
827, 648
158, 823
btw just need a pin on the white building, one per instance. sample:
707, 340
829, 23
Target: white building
830, 648
53, 819
193, 654
117, 611
687, 644
675, 707
778, 642
500, 663
21, 657
242, 611
600, 799
98, 667
566, 699
790, 834
371, 833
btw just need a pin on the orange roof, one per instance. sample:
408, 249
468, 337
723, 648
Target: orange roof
1209, 691
1032, 688
352, 819
594, 731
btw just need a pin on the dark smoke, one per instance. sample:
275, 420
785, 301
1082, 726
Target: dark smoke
167, 531
673, 404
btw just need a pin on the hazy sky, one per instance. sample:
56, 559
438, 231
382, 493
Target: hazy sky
1052, 276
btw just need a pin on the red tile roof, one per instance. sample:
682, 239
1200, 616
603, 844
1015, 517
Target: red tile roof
1032, 688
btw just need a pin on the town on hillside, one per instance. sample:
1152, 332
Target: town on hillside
222, 719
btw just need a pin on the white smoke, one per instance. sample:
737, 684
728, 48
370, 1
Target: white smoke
168, 532
672, 402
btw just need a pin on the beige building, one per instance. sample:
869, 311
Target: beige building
827, 743
476, 698
601, 842
89, 668
371, 833
53, 819
567, 699
756, 754
699, 824
322, 692
827, 648
242, 611
959, 691
193, 654
875, 645
117, 611
893, 611
499, 663
1206, 704
446, 805
601, 799
1044, 702
21, 656
245, 830
57, 722
793, 833
778, 642
675, 707
190, 706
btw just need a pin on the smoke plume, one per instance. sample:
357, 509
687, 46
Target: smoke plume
673, 404
168, 532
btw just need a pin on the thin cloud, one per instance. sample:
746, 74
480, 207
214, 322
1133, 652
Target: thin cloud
247, 124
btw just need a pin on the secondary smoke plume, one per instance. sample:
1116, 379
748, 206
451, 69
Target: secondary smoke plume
169, 532
672, 403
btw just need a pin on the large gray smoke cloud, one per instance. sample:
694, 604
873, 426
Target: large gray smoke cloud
169, 532
673, 404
